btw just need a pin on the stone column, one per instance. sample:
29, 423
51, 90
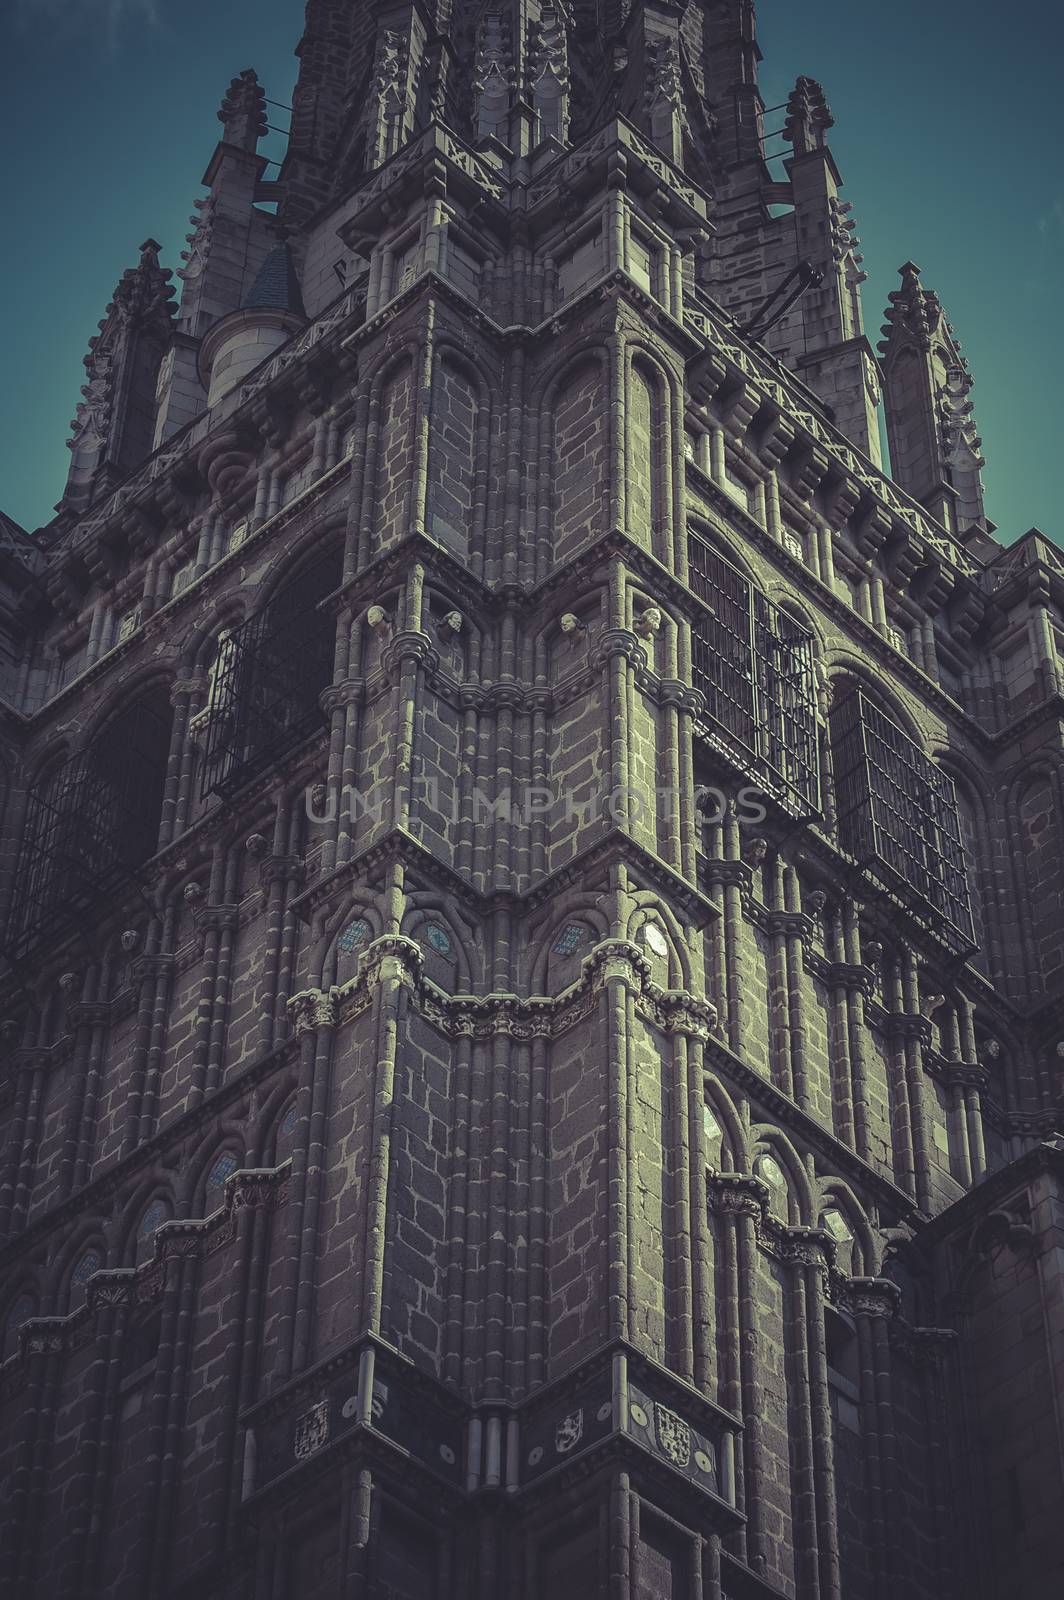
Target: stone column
740, 1202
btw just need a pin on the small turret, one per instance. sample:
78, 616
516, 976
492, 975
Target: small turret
229, 242
934, 442
243, 111
272, 311
808, 117
826, 341
112, 431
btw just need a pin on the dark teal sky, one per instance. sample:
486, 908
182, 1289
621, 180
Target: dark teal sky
947, 132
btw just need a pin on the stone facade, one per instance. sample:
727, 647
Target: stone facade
532, 870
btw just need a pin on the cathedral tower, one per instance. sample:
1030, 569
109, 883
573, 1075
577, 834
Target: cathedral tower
532, 873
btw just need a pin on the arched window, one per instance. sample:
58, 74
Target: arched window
768, 1169
286, 1133
88, 1262
221, 1168
268, 678
837, 1228
90, 822
754, 665
898, 814
22, 1309
154, 1217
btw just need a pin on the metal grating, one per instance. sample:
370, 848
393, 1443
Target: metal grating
89, 824
754, 664
268, 681
898, 815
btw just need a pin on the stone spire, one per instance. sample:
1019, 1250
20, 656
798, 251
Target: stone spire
826, 339
808, 117
112, 429
934, 442
243, 111
229, 241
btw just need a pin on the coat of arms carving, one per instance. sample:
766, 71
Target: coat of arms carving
674, 1436
569, 1432
312, 1430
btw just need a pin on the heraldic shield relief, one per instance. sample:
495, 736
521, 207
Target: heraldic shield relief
674, 1436
312, 1430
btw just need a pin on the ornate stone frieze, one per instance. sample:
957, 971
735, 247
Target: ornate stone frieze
312, 1009
737, 1194
872, 1297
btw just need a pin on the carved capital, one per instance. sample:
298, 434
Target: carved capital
312, 1009
872, 1297
734, 1194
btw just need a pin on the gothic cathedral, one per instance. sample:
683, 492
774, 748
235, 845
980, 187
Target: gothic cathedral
533, 872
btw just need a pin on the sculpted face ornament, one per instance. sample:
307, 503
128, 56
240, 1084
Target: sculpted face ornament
569, 1432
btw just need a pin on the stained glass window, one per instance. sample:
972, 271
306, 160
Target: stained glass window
569, 940
438, 939
355, 934
223, 1166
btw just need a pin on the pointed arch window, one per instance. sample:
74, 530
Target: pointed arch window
21, 1311
90, 823
222, 1168
898, 814
268, 679
152, 1220
754, 665
90, 1262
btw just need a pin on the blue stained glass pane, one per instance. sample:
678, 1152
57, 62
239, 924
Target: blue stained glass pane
153, 1218
89, 1263
354, 935
288, 1121
570, 939
438, 938
225, 1164
21, 1312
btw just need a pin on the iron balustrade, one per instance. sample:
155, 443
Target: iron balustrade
267, 682
89, 825
897, 813
754, 665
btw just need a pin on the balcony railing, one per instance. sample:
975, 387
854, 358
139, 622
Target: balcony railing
754, 664
898, 815
267, 684
88, 826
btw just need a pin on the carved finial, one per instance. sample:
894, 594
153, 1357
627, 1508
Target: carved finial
934, 440
808, 116
243, 111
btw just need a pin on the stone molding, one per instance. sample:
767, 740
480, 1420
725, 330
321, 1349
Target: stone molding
394, 957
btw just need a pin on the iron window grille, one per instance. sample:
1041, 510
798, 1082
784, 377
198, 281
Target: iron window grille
754, 664
897, 813
267, 682
89, 825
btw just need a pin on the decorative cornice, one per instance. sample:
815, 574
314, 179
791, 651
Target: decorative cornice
124, 1288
